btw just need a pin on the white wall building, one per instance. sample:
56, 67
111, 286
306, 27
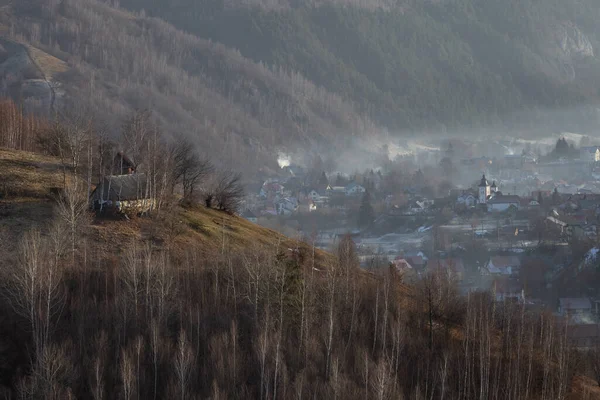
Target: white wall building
484, 190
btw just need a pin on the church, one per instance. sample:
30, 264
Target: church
486, 191
493, 199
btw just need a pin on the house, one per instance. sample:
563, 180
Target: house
502, 265
574, 306
270, 189
314, 195
250, 216
309, 194
125, 193
529, 203
589, 153
307, 205
453, 267
354, 189
502, 202
336, 190
123, 165
286, 205
416, 207
467, 199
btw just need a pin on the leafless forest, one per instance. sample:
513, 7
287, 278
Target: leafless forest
118, 63
147, 319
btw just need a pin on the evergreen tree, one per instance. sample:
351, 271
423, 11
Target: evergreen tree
323, 179
366, 214
562, 148
340, 180
555, 197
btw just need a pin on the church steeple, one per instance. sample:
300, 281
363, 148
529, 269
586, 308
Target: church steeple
484, 190
484, 182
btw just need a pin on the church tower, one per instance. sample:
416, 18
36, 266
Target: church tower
484, 190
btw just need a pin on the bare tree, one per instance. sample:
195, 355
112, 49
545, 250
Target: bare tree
97, 371
72, 208
227, 192
380, 381
332, 277
132, 278
136, 133
189, 169
184, 359
156, 353
24, 282
127, 375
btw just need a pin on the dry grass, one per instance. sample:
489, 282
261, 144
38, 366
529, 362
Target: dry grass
217, 229
584, 388
49, 64
29, 183
28, 176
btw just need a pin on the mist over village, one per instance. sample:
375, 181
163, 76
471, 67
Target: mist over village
520, 222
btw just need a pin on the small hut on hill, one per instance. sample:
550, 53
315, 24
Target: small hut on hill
124, 193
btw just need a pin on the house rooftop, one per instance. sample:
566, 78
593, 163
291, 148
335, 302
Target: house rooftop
122, 188
502, 199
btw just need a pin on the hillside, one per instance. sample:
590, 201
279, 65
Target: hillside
418, 64
112, 62
30, 183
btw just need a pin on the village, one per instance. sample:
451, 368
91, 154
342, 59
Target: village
524, 226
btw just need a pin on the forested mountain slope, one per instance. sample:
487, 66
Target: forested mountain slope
415, 63
239, 111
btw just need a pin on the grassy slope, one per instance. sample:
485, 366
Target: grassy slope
29, 182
